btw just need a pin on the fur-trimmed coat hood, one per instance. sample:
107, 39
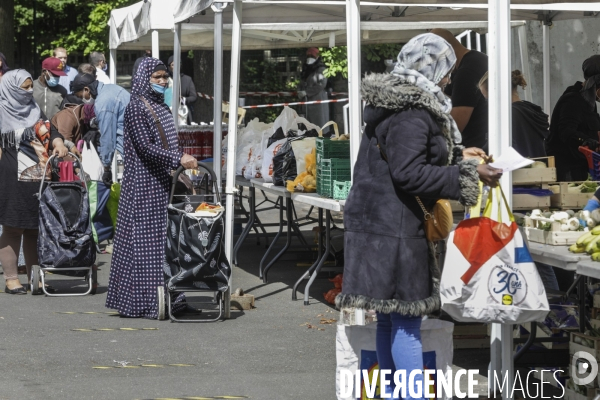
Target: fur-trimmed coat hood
392, 94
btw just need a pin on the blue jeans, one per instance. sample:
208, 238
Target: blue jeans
399, 348
547, 275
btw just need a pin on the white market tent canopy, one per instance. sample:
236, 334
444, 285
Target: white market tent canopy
268, 24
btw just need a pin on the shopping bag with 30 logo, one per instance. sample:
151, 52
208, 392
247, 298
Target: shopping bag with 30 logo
489, 275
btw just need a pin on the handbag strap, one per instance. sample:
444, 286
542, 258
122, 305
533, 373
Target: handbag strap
427, 214
163, 137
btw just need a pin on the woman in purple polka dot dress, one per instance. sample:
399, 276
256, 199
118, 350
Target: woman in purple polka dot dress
139, 249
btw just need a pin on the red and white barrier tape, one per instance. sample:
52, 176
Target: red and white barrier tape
260, 94
297, 103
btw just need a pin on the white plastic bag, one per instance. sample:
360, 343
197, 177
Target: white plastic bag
355, 349
267, 160
301, 148
286, 120
251, 147
91, 163
489, 275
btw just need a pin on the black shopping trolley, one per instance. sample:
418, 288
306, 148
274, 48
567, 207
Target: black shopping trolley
195, 256
65, 242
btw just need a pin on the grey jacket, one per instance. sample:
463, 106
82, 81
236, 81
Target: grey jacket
314, 86
48, 98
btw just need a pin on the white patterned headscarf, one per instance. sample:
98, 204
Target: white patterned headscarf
424, 61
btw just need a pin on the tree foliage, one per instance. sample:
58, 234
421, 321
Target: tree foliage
79, 26
336, 58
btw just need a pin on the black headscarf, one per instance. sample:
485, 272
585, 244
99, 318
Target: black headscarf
591, 73
309, 69
141, 81
83, 80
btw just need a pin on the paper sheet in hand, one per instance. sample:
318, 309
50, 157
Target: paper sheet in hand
510, 160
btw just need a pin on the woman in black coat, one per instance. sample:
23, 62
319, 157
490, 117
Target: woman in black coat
575, 122
390, 267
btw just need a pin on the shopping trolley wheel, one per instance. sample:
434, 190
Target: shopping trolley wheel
160, 297
35, 280
94, 279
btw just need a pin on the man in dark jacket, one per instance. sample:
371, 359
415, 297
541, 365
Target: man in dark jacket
136, 64
469, 107
188, 90
575, 122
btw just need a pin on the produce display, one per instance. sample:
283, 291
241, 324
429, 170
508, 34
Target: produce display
585, 187
569, 220
589, 243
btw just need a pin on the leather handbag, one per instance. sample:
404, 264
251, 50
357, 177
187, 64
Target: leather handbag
438, 221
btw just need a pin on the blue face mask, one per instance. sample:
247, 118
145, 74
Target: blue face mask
105, 67
52, 80
160, 89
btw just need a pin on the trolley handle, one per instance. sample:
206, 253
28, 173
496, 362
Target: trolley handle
201, 165
81, 173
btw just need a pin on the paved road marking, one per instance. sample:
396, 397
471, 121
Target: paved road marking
153, 366
200, 398
87, 312
113, 329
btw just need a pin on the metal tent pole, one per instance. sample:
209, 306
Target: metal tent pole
234, 94
546, 65
354, 77
176, 73
500, 135
524, 50
218, 90
112, 70
155, 45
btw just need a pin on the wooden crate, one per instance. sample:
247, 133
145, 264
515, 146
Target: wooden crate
456, 206
554, 236
571, 395
470, 329
575, 347
565, 200
472, 342
596, 300
536, 176
530, 202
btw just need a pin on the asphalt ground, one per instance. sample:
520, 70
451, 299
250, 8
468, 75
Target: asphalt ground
75, 348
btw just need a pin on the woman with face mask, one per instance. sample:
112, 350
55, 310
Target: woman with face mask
24, 135
48, 94
312, 87
409, 149
150, 156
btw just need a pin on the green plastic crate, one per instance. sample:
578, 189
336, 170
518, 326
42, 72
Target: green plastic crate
329, 170
329, 149
341, 189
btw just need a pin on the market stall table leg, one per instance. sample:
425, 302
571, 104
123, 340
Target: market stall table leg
316, 263
288, 242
